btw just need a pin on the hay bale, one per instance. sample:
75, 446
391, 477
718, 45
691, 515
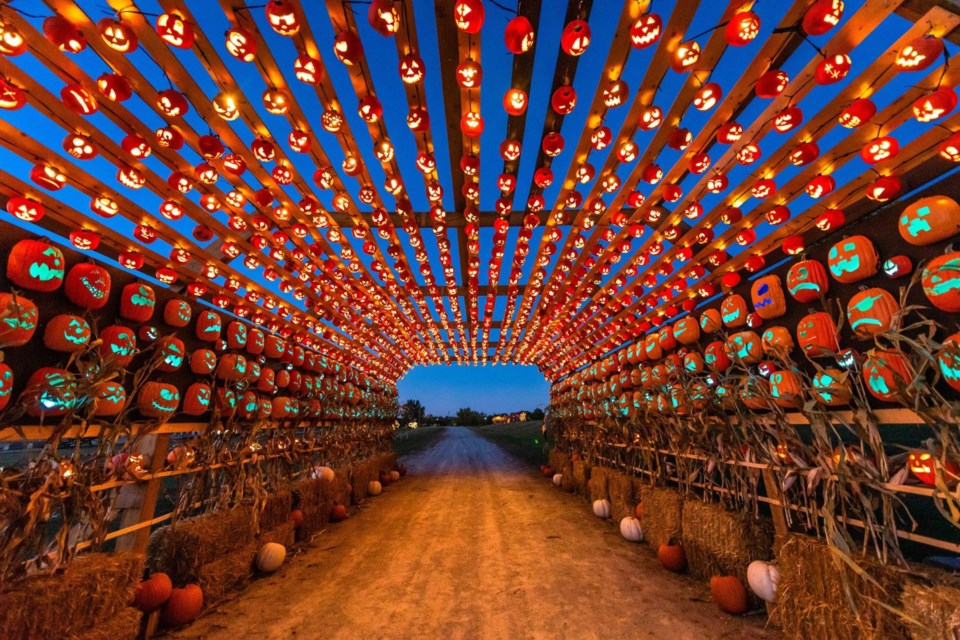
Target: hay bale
599, 479
623, 501
93, 588
285, 534
276, 510
581, 475
181, 549
226, 574
123, 625
557, 459
360, 476
662, 515
934, 610
817, 589
386, 461
721, 542
316, 497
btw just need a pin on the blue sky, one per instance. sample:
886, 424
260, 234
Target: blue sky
490, 389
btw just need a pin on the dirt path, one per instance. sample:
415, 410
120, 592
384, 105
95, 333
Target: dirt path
474, 545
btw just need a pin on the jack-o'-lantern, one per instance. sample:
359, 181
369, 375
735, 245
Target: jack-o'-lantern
348, 48
412, 69
748, 153
853, 259
469, 75
282, 17
63, 34
232, 367
786, 389
742, 28
471, 124
948, 358
136, 146
755, 393
50, 393
79, 146
884, 188
941, 282
118, 344
137, 302
171, 353
887, 374
418, 119
926, 466
158, 400
919, 54
821, 186
949, 149
241, 44
880, 149
817, 334
172, 103
788, 119
564, 100
771, 83
831, 387
934, 105
66, 333
745, 347
518, 35
255, 342
12, 97
35, 265
236, 335
615, 94
711, 321
777, 342
267, 382
109, 399
858, 113
276, 101
646, 30
686, 56
117, 35
208, 326
767, 297
804, 153
871, 312
18, 320
833, 69
897, 267
25, 209
733, 311
687, 331
175, 31
930, 220
203, 362
822, 16
76, 98
177, 313
226, 106
680, 139
384, 17
196, 399
87, 285
575, 38
469, 15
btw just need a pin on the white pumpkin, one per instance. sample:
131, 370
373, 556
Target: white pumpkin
374, 488
557, 479
270, 557
324, 473
763, 578
394, 476
601, 508
631, 530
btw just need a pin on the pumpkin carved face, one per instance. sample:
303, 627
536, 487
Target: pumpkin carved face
196, 400
853, 259
949, 360
18, 320
817, 334
767, 297
118, 344
110, 399
807, 281
158, 400
50, 392
66, 333
208, 326
171, 353
177, 313
232, 367
236, 335
203, 362
941, 282
786, 389
137, 302
745, 347
88, 286
686, 331
35, 265
871, 312
832, 387
886, 374
715, 355
930, 220
733, 311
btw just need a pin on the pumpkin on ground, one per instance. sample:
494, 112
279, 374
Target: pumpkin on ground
631, 530
182, 607
324, 473
270, 557
394, 475
296, 517
374, 488
338, 513
729, 594
153, 592
672, 557
557, 479
763, 578
601, 508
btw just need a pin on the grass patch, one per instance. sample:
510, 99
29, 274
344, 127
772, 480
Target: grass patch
410, 441
523, 440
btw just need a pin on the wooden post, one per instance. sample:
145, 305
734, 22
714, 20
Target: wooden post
151, 492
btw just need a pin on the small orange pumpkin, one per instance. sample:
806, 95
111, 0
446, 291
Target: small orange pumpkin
729, 594
153, 592
672, 557
182, 607
871, 312
767, 297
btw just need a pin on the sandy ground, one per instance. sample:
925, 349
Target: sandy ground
472, 544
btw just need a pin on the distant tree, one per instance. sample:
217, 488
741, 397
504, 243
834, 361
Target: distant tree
467, 417
536, 414
412, 410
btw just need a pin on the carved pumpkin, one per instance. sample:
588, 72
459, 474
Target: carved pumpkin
172, 353
807, 281
766, 295
716, 357
236, 335
35, 265
777, 342
941, 282
232, 367
137, 302
949, 360
177, 313
886, 374
733, 311
109, 398
687, 331
831, 387
18, 320
930, 220
817, 334
208, 326
196, 400
66, 333
518, 35
274, 346
744, 346
871, 312
118, 344
282, 17
50, 393
575, 38
786, 389
919, 54
203, 362
711, 321
822, 16
87, 285
771, 84
853, 259
926, 466
742, 29
158, 400
833, 69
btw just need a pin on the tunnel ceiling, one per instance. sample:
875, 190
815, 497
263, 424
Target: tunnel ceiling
396, 183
